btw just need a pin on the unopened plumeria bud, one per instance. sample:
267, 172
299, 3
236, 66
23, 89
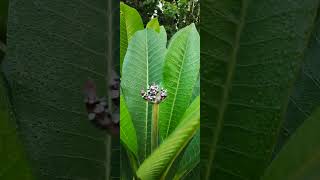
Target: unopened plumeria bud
154, 94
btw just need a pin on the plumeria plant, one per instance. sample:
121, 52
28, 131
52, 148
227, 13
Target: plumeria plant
159, 101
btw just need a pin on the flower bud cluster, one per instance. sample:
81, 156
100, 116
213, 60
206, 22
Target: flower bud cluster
99, 113
154, 94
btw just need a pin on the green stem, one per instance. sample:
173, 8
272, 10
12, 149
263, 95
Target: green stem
154, 130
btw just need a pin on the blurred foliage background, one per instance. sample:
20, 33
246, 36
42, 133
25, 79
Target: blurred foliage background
172, 14
3, 25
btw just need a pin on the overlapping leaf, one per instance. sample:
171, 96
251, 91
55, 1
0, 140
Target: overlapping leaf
300, 157
305, 95
190, 159
163, 34
127, 132
125, 166
130, 22
154, 24
159, 162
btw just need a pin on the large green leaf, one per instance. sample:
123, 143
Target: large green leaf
300, 157
305, 96
142, 66
156, 165
54, 46
13, 163
180, 72
127, 132
130, 22
251, 51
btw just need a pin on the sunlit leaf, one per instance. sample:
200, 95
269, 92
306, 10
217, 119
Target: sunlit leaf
154, 24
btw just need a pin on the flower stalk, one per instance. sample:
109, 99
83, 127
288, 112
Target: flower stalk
155, 128
154, 95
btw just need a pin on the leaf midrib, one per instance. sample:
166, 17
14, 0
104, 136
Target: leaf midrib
177, 87
146, 111
227, 88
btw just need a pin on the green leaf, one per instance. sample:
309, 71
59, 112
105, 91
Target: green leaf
187, 161
13, 162
163, 34
196, 89
130, 23
129, 164
159, 162
142, 66
194, 174
304, 98
125, 166
300, 156
190, 159
54, 47
251, 52
180, 72
154, 24
127, 132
